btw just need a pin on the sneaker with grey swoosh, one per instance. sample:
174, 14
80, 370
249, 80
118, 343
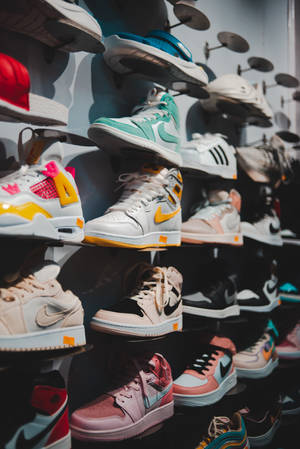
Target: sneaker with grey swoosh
153, 308
44, 417
217, 298
37, 314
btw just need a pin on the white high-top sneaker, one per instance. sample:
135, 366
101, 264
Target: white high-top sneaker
148, 214
41, 198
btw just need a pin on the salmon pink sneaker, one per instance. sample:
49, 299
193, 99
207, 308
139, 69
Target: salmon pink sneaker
290, 347
144, 400
209, 376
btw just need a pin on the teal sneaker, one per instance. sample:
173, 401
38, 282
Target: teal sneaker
289, 292
226, 433
153, 128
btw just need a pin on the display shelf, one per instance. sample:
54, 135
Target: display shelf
229, 40
256, 63
294, 242
189, 15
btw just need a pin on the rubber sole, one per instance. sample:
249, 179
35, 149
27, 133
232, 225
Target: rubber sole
258, 373
288, 355
262, 309
266, 438
212, 313
275, 241
46, 340
212, 171
62, 228
289, 298
151, 240
149, 420
114, 141
235, 239
207, 398
166, 327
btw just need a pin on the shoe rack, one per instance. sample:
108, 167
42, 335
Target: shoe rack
90, 89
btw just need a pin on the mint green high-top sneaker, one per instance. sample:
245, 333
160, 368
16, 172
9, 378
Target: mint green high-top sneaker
153, 127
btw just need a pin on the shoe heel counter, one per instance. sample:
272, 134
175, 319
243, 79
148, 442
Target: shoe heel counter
61, 429
75, 318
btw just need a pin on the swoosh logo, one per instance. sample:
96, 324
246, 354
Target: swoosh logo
170, 309
24, 443
224, 369
149, 401
271, 289
229, 299
166, 136
44, 318
159, 217
274, 230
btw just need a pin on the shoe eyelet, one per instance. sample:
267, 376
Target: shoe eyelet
9, 299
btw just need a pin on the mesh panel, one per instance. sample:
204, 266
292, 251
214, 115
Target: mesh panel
45, 189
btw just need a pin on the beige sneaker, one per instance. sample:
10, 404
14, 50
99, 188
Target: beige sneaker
153, 309
36, 314
216, 222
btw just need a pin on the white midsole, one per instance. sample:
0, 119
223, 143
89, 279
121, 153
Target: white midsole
258, 373
167, 326
265, 439
212, 313
223, 171
267, 308
269, 240
46, 339
207, 398
152, 238
232, 239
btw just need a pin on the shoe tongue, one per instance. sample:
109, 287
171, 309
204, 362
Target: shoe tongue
46, 272
217, 196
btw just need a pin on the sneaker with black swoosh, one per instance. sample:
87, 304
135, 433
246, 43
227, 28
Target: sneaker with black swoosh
209, 375
153, 128
153, 308
148, 213
36, 314
42, 419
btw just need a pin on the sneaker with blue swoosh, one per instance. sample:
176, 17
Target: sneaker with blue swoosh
224, 432
153, 128
144, 400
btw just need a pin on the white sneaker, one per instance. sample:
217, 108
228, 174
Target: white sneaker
265, 229
56, 23
36, 314
153, 128
148, 214
209, 153
41, 199
171, 59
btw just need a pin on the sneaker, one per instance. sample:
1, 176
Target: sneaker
153, 128
257, 361
18, 103
41, 199
224, 433
211, 154
264, 225
217, 297
158, 56
237, 90
289, 292
258, 290
41, 420
148, 213
57, 23
144, 400
289, 348
209, 376
269, 163
37, 315
261, 425
217, 222
154, 308
290, 402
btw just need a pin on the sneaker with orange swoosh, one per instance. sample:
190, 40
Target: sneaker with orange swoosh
148, 213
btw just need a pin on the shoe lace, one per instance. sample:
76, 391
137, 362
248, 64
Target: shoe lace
210, 210
150, 102
28, 284
202, 363
138, 190
217, 426
155, 286
254, 347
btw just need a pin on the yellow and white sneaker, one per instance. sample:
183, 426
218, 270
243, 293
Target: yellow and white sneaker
41, 199
148, 213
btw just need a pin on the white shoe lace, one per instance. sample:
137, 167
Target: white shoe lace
139, 190
28, 284
151, 102
156, 287
138, 382
218, 426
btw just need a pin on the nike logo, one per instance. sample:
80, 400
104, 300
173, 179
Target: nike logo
159, 217
274, 230
166, 136
229, 299
168, 310
44, 318
224, 369
149, 401
270, 289
24, 443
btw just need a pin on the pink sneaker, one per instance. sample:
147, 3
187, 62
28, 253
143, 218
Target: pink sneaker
208, 378
290, 347
217, 222
144, 400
